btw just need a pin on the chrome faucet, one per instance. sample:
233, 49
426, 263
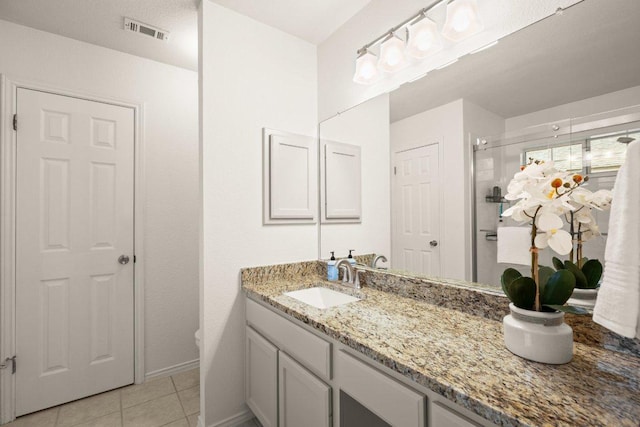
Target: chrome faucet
376, 259
351, 274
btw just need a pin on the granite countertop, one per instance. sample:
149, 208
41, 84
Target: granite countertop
462, 356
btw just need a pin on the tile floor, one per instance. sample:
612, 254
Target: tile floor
169, 401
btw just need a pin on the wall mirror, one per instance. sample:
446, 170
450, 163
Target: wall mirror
566, 88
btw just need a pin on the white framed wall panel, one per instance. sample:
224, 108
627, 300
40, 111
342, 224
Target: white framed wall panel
289, 177
341, 177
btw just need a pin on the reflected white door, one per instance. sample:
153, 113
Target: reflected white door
74, 300
416, 211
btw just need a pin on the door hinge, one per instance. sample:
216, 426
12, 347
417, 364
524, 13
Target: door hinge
134, 259
395, 170
13, 361
15, 122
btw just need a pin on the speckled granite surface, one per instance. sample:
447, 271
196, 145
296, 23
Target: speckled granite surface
462, 356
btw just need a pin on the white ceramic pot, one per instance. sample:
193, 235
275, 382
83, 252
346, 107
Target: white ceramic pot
538, 336
585, 298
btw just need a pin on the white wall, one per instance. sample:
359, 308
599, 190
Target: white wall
171, 141
336, 55
366, 125
598, 104
252, 76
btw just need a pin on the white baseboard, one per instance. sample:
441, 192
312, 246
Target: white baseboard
172, 370
232, 421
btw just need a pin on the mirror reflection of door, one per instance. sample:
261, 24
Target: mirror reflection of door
415, 195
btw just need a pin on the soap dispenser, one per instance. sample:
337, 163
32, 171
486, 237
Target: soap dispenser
332, 271
350, 258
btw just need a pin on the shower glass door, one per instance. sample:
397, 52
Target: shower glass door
593, 146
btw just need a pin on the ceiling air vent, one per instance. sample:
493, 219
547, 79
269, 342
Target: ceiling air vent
145, 29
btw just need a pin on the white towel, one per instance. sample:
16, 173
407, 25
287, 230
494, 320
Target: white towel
618, 304
514, 244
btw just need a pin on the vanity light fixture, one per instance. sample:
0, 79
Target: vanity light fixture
423, 39
462, 20
366, 68
483, 48
445, 65
392, 57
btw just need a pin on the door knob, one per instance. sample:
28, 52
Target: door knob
433, 243
123, 259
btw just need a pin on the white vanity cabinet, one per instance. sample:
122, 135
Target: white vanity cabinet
296, 377
286, 368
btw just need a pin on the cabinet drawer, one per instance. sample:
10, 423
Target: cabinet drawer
313, 352
441, 416
390, 400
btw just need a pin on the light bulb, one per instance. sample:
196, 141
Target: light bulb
423, 38
462, 20
392, 57
366, 69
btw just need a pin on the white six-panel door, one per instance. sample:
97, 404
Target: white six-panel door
416, 211
74, 300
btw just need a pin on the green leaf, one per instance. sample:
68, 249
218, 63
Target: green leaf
559, 288
568, 308
509, 275
522, 292
558, 264
544, 273
592, 270
581, 279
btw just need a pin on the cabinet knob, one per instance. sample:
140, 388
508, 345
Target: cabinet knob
433, 243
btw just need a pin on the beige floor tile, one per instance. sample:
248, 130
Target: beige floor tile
180, 423
87, 409
154, 413
185, 380
152, 389
250, 423
193, 420
46, 418
111, 420
190, 399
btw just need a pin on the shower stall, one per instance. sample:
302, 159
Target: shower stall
593, 146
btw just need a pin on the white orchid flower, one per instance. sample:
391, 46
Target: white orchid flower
559, 240
592, 231
584, 217
601, 199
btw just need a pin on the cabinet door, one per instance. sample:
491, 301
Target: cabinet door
304, 399
261, 378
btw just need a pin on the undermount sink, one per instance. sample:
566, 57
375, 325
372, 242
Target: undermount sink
321, 297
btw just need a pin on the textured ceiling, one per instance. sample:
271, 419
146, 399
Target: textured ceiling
589, 50
100, 22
